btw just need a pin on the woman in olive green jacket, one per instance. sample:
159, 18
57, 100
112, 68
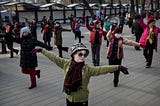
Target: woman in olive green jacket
77, 74
58, 38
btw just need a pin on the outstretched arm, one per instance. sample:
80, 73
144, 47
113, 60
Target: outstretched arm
54, 58
41, 44
87, 25
130, 42
109, 35
100, 70
64, 29
141, 22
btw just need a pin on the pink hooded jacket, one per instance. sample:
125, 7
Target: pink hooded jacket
143, 39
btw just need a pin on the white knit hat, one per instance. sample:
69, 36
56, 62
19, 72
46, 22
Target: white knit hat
24, 29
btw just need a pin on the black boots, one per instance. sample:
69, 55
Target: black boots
33, 86
38, 73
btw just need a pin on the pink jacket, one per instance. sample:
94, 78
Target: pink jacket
143, 39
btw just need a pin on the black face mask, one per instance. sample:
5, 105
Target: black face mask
26, 37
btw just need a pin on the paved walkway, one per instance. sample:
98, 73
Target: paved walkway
140, 88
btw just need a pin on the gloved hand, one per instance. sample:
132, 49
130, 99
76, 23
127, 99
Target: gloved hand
142, 46
34, 51
54, 47
123, 69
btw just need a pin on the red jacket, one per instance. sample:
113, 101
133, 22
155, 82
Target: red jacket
92, 33
46, 28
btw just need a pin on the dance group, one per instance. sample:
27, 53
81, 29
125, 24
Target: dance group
76, 73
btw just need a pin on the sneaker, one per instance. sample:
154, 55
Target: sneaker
38, 73
115, 85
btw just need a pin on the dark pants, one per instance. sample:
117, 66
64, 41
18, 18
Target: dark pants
148, 53
47, 39
105, 39
10, 47
95, 54
137, 35
32, 72
60, 48
116, 73
78, 35
47, 43
76, 103
121, 28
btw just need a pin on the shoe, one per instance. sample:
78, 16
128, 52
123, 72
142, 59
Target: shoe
82, 36
147, 66
33, 86
67, 49
17, 51
38, 73
115, 84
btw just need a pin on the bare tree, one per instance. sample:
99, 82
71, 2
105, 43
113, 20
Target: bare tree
50, 8
132, 11
143, 4
137, 6
100, 2
151, 3
157, 4
88, 8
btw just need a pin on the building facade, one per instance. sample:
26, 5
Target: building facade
67, 1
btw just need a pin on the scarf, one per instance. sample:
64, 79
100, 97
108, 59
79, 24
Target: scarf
110, 49
56, 28
73, 79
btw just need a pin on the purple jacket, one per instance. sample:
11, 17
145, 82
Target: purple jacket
143, 39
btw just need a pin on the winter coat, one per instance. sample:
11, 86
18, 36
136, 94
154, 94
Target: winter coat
107, 25
115, 48
9, 38
33, 29
58, 35
143, 39
136, 28
93, 32
47, 32
27, 44
82, 94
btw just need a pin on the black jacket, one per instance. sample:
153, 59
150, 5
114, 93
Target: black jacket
28, 43
136, 28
